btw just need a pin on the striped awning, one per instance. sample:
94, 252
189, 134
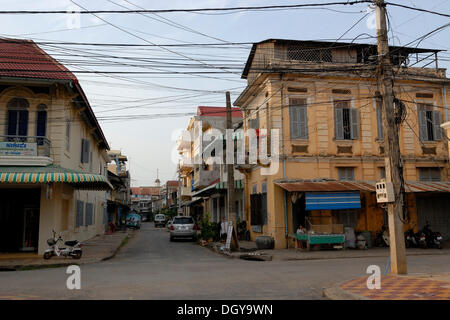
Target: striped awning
78, 179
238, 184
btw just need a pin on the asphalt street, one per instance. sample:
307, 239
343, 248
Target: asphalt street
151, 267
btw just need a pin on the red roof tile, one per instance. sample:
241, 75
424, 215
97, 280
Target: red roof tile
24, 59
218, 112
172, 183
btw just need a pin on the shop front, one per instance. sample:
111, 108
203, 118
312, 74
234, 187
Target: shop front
36, 200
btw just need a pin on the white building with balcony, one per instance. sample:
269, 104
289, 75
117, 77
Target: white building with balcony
53, 153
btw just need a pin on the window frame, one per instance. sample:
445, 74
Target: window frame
353, 118
340, 177
301, 109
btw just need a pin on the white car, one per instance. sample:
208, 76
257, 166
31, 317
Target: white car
183, 227
160, 220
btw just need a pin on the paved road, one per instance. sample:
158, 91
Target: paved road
151, 267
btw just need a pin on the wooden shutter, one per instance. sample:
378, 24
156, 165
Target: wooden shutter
303, 122
79, 215
380, 123
253, 217
23, 123
89, 214
437, 125
41, 123
338, 124
264, 208
422, 124
12, 123
354, 123
85, 150
294, 122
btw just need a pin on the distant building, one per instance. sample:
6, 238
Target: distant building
143, 199
119, 201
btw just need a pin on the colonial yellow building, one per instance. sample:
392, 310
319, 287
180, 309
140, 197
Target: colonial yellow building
53, 153
323, 99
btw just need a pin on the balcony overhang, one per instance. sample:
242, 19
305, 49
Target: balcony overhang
38, 161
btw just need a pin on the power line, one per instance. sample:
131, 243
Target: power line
246, 8
418, 9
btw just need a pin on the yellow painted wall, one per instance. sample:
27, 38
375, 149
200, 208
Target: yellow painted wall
322, 159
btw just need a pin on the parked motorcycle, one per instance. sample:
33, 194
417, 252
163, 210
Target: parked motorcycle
382, 237
411, 238
432, 239
73, 248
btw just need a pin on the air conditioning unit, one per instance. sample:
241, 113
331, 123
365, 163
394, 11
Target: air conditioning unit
385, 192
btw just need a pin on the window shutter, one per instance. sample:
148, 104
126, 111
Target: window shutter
23, 122
354, 123
294, 122
303, 122
422, 124
12, 122
41, 123
437, 125
79, 216
380, 123
84, 151
338, 124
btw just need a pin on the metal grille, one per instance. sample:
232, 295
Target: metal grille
304, 53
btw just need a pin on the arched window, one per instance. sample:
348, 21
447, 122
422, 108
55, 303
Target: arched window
17, 119
41, 123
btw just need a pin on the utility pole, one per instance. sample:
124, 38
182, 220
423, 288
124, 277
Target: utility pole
229, 156
393, 161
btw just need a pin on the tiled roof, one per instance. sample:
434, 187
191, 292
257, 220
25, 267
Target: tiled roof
24, 59
172, 183
146, 191
218, 112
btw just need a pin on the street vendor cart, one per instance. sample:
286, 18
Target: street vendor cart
320, 234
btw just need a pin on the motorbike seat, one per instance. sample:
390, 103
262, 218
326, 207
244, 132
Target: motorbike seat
71, 243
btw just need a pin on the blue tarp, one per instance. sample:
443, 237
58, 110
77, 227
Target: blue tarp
332, 200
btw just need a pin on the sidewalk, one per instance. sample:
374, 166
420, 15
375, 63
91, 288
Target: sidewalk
97, 249
393, 287
250, 252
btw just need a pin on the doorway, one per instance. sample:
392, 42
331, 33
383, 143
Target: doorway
19, 219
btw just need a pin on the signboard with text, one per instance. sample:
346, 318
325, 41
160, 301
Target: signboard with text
18, 149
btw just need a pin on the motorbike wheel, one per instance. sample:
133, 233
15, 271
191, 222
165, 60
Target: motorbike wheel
47, 255
407, 244
77, 255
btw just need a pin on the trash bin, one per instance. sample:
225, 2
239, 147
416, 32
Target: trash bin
265, 242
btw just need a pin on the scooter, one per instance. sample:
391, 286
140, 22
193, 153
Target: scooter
411, 238
433, 239
73, 248
382, 237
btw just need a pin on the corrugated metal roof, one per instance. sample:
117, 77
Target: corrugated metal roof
328, 186
303, 186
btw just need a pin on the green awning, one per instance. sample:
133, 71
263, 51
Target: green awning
52, 173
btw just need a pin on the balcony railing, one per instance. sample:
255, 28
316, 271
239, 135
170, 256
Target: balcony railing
29, 146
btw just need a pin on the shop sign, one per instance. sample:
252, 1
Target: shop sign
18, 148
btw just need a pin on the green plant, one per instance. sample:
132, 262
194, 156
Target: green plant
206, 228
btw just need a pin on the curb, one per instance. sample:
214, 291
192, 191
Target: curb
8, 268
337, 293
122, 244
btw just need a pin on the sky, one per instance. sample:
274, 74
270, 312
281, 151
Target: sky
134, 108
